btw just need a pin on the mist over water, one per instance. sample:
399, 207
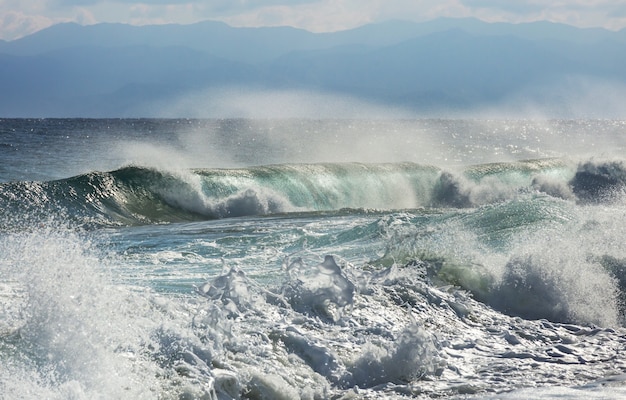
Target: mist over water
223, 143
444, 143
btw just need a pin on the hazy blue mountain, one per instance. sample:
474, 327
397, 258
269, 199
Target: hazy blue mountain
446, 64
453, 64
245, 44
259, 44
71, 81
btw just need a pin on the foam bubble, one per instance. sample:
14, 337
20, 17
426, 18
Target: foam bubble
411, 356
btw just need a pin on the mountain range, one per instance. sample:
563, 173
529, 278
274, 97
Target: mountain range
440, 67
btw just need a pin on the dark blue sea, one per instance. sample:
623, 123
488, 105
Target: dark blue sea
312, 259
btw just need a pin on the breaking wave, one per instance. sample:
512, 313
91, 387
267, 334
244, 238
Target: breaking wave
135, 195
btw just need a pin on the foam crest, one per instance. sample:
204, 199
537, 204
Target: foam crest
189, 194
597, 182
309, 324
561, 289
323, 289
411, 356
251, 202
138, 195
576, 270
562, 263
491, 183
75, 334
71, 319
232, 290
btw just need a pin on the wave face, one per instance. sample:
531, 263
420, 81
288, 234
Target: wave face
136, 195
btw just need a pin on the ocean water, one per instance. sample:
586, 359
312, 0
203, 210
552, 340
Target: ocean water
313, 259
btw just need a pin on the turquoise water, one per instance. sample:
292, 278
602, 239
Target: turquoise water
311, 259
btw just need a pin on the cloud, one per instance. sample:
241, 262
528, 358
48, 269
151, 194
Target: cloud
218, 6
230, 7
318, 16
328, 15
334, 15
82, 3
583, 13
516, 7
15, 24
21, 18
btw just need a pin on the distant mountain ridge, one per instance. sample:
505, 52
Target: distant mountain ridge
445, 65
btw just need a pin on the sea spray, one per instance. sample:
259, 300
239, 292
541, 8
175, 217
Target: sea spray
398, 331
76, 334
597, 182
423, 297
71, 325
551, 267
408, 358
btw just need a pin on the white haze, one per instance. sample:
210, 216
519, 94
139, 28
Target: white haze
256, 103
306, 126
568, 97
565, 97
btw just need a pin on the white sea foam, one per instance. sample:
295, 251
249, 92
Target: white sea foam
71, 320
327, 328
419, 303
78, 335
553, 270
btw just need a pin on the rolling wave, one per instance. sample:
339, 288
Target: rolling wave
136, 195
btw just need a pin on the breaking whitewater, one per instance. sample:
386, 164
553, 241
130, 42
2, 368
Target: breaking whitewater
287, 259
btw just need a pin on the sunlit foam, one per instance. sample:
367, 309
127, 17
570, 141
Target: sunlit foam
79, 335
72, 320
554, 267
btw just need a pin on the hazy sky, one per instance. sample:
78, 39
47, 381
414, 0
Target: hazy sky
21, 17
